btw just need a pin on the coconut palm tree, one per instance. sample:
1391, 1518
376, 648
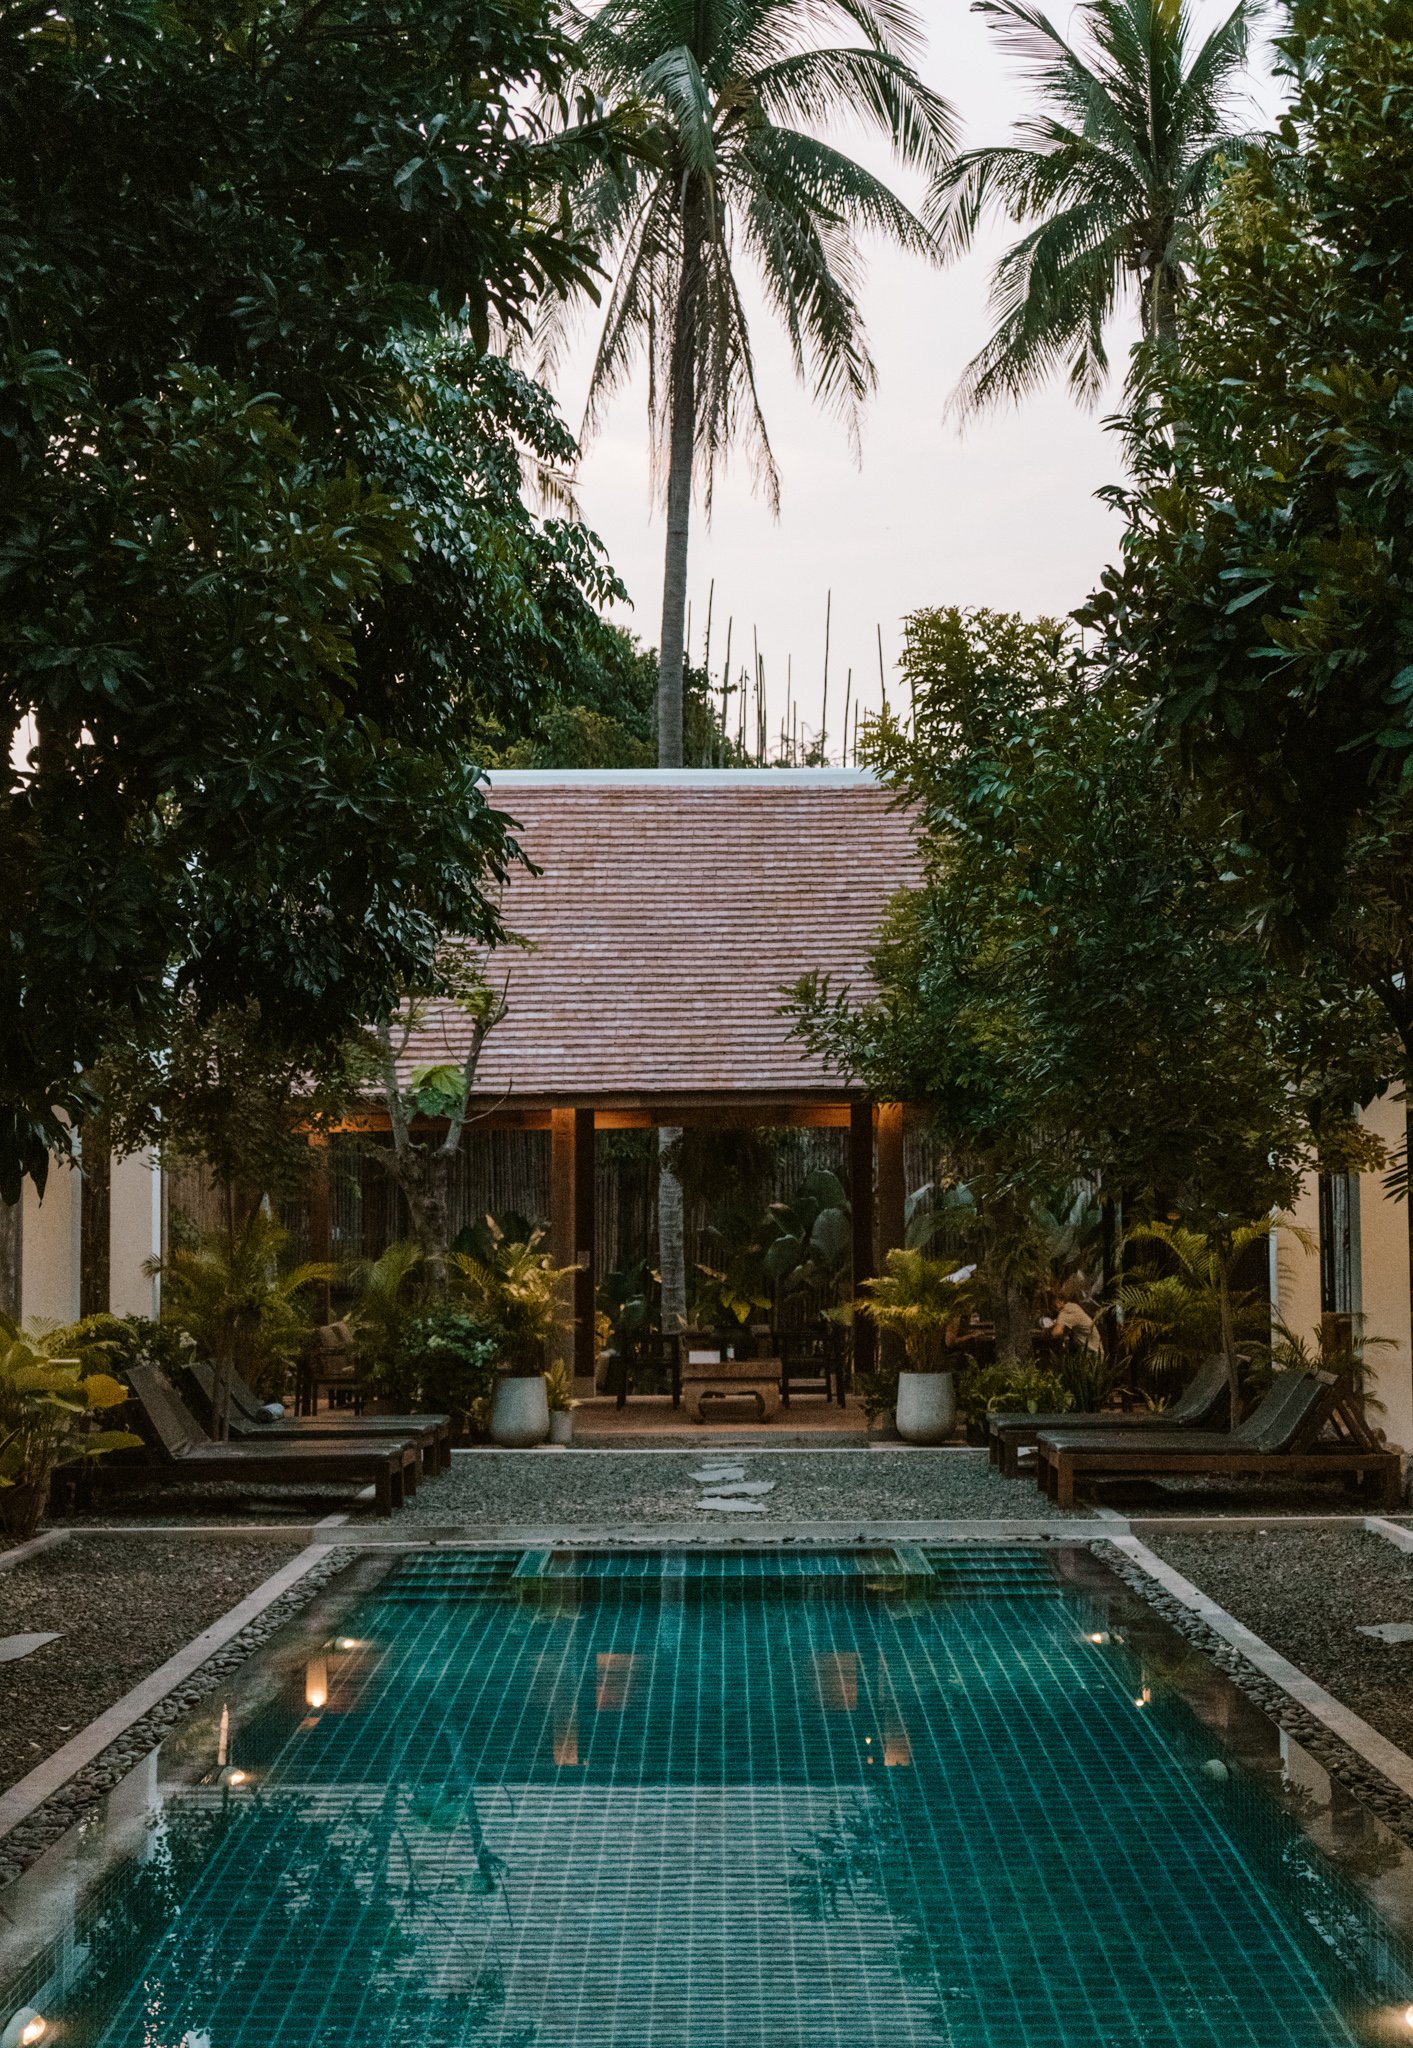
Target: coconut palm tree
1109, 177
724, 97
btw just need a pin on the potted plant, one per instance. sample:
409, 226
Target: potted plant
519, 1296
559, 1392
46, 1402
919, 1300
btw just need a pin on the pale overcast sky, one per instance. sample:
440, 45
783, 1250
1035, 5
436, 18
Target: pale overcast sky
1003, 514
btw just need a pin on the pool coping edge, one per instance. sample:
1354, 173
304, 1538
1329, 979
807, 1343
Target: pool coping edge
1372, 1748
20, 1801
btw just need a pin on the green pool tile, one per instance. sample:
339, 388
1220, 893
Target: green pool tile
727, 1800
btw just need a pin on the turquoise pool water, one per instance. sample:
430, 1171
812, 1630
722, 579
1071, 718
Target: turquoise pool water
687, 1801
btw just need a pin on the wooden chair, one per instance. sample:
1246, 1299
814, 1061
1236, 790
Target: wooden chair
1279, 1439
328, 1367
184, 1450
647, 1355
812, 1362
249, 1423
1201, 1404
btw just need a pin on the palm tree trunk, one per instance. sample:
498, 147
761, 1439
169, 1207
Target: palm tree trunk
671, 1238
1160, 319
681, 448
682, 442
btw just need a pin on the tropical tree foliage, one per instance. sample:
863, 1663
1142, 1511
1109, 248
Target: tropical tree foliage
1076, 990
239, 1308
724, 102
263, 548
1182, 1301
1263, 605
1110, 177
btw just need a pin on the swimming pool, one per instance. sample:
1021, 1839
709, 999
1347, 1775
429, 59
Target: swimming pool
963, 1797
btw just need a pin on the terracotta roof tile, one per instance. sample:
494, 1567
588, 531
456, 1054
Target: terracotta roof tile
669, 913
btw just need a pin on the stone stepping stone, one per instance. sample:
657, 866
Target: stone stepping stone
743, 1486
720, 1505
12, 1648
1390, 1631
708, 1476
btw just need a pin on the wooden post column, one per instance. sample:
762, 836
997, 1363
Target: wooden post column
572, 1233
861, 1208
321, 1218
892, 1205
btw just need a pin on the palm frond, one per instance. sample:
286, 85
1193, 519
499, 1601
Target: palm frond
1120, 156
815, 86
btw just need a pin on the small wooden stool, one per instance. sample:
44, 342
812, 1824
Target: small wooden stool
705, 1377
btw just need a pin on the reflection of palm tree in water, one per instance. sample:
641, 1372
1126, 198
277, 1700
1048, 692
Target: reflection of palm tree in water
452, 1805
161, 1956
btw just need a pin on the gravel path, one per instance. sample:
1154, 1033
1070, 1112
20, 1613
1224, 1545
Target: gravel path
121, 1606
1306, 1592
620, 1489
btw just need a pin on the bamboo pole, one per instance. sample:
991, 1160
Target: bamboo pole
824, 704
726, 685
848, 692
882, 679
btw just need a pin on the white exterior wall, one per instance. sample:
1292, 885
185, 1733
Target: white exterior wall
134, 1234
1383, 1279
1297, 1285
49, 1252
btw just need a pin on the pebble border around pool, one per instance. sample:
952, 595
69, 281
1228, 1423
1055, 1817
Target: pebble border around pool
28, 1839
1393, 1807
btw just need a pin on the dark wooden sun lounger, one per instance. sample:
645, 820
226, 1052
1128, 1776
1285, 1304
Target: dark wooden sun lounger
184, 1450
1280, 1438
431, 1433
1201, 1404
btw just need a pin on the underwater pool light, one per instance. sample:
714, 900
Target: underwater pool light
1408, 2017
1098, 1635
24, 2028
233, 1775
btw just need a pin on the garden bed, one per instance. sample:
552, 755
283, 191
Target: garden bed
1307, 1592
120, 1606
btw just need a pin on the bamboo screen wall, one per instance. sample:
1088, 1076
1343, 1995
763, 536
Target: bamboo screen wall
507, 1172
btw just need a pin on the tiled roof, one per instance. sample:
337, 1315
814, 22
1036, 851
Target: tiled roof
670, 911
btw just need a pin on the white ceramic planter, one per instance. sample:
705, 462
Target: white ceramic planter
561, 1426
927, 1406
520, 1413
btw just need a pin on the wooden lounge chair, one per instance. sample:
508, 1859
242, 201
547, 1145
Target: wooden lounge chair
1279, 1439
1200, 1405
186, 1451
248, 1424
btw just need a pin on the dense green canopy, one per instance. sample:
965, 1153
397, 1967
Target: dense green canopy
1263, 606
266, 569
